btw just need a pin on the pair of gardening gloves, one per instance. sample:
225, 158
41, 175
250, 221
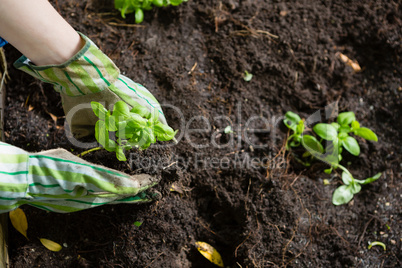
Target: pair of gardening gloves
57, 180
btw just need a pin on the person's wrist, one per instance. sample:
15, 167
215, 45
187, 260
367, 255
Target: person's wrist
60, 52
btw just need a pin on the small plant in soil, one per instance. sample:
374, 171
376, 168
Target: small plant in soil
138, 6
327, 143
247, 76
123, 129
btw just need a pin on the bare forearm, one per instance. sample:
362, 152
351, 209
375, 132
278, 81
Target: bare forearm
38, 31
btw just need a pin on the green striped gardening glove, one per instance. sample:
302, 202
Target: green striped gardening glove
90, 76
58, 181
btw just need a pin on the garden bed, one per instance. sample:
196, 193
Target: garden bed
193, 57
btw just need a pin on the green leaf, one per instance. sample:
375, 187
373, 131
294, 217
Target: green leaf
300, 127
120, 154
346, 118
328, 170
335, 125
325, 131
342, 195
121, 125
125, 131
371, 179
351, 145
139, 15
355, 187
343, 135
121, 110
138, 223
146, 138
291, 120
135, 139
146, 4
167, 136
355, 125
125, 7
162, 129
118, 4
346, 178
110, 122
102, 136
124, 135
100, 132
147, 7
330, 156
141, 110
154, 115
312, 143
344, 129
98, 109
157, 3
145, 146
366, 133
175, 2
136, 121
332, 153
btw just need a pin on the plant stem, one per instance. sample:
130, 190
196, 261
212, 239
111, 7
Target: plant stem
288, 140
347, 171
89, 151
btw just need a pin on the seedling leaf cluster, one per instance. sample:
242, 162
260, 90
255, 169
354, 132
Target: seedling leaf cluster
138, 6
122, 129
327, 143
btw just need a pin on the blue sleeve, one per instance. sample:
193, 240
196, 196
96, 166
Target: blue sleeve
2, 42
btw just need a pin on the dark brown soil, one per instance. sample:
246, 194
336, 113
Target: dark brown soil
193, 57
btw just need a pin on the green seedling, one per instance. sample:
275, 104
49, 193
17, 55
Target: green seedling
138, 223
296, 124
138, 6
228, 130
247, 76
377, 243
338, 132
337, 137
344, 193
135, 128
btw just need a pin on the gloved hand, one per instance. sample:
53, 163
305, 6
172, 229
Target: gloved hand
56, 180
89, 76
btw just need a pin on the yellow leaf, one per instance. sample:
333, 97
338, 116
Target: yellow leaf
210, 253
177, 187
50, 245
352, 63
19, 221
